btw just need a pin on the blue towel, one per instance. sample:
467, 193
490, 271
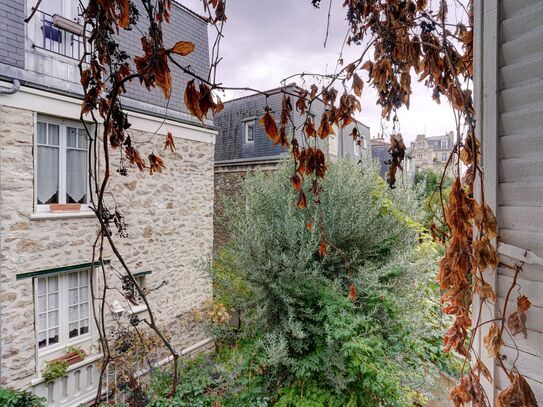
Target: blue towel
54, 34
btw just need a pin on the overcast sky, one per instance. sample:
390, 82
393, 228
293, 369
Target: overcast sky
268, 40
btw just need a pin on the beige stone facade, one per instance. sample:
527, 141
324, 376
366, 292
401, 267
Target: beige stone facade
170, 230
431, 153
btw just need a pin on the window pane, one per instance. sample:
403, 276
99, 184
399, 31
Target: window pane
42, 304
41, 286
73, 330
53, 284
84, 327
52, 138
71, 137
76, 176
47, 175
73, 280
52, 301
53, 319
83, 140
83, 278
83, 294
42, 322
53, 336
42, 339
42, 133
72, 297
84, 310
73, 314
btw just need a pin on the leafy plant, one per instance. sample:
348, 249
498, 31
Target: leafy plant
54, 369
17, 398
337, 329
77, 350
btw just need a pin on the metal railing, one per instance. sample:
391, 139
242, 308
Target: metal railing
51, 37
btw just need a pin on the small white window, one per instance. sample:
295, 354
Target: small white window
444, 157
249, 131
444, 144
420, 144
365, 143
62, 308
356, 148
419, 156
61, 164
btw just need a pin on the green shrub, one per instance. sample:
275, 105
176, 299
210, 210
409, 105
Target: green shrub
16, 398
369, 350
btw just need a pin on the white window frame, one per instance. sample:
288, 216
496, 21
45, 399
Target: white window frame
444, 144
444, 157
62, 145
246, 124
365, 143
356, 148
53, 351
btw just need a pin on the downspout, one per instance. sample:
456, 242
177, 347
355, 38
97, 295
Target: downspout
14, 88
11, 91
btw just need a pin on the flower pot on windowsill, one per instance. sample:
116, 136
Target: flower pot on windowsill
65, 207
71, 358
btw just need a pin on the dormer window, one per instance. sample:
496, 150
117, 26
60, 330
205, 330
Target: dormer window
249, 130
444, 144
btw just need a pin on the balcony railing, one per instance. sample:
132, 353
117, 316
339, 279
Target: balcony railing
58, 34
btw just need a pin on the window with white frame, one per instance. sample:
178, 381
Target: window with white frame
444, 157
365, 143
444, 144
62, 308
419, 156
249, 130
356, 147
61, 163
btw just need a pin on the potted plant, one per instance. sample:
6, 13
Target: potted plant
54, 369
73, 355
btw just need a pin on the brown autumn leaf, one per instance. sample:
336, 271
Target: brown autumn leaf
302, 200
219, 106
124, 16
270, 127
182, 48
323, 249
206, 101
517, 394
169, 143
493, 341
309, 226
481, 367
517, 320
325, 128
352, 292
358, 85
192, 100
485, 253
156, 164
296, 182
349, 70
301, 103
314, 90
309, 128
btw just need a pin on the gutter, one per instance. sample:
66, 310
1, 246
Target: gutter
14, 88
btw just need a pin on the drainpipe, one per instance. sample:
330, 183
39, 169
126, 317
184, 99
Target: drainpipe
14, 89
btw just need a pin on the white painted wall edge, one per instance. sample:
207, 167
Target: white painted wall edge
66, 107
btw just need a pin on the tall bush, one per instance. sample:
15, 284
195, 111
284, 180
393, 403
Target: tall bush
349, 325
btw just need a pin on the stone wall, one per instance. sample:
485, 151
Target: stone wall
229, 190
170, 227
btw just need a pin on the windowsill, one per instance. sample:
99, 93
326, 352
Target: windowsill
87, 361
62, 215
56, 348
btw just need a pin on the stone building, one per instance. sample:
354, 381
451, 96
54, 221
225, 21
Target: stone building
243, 146
47, 227
380, 153
432, 153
